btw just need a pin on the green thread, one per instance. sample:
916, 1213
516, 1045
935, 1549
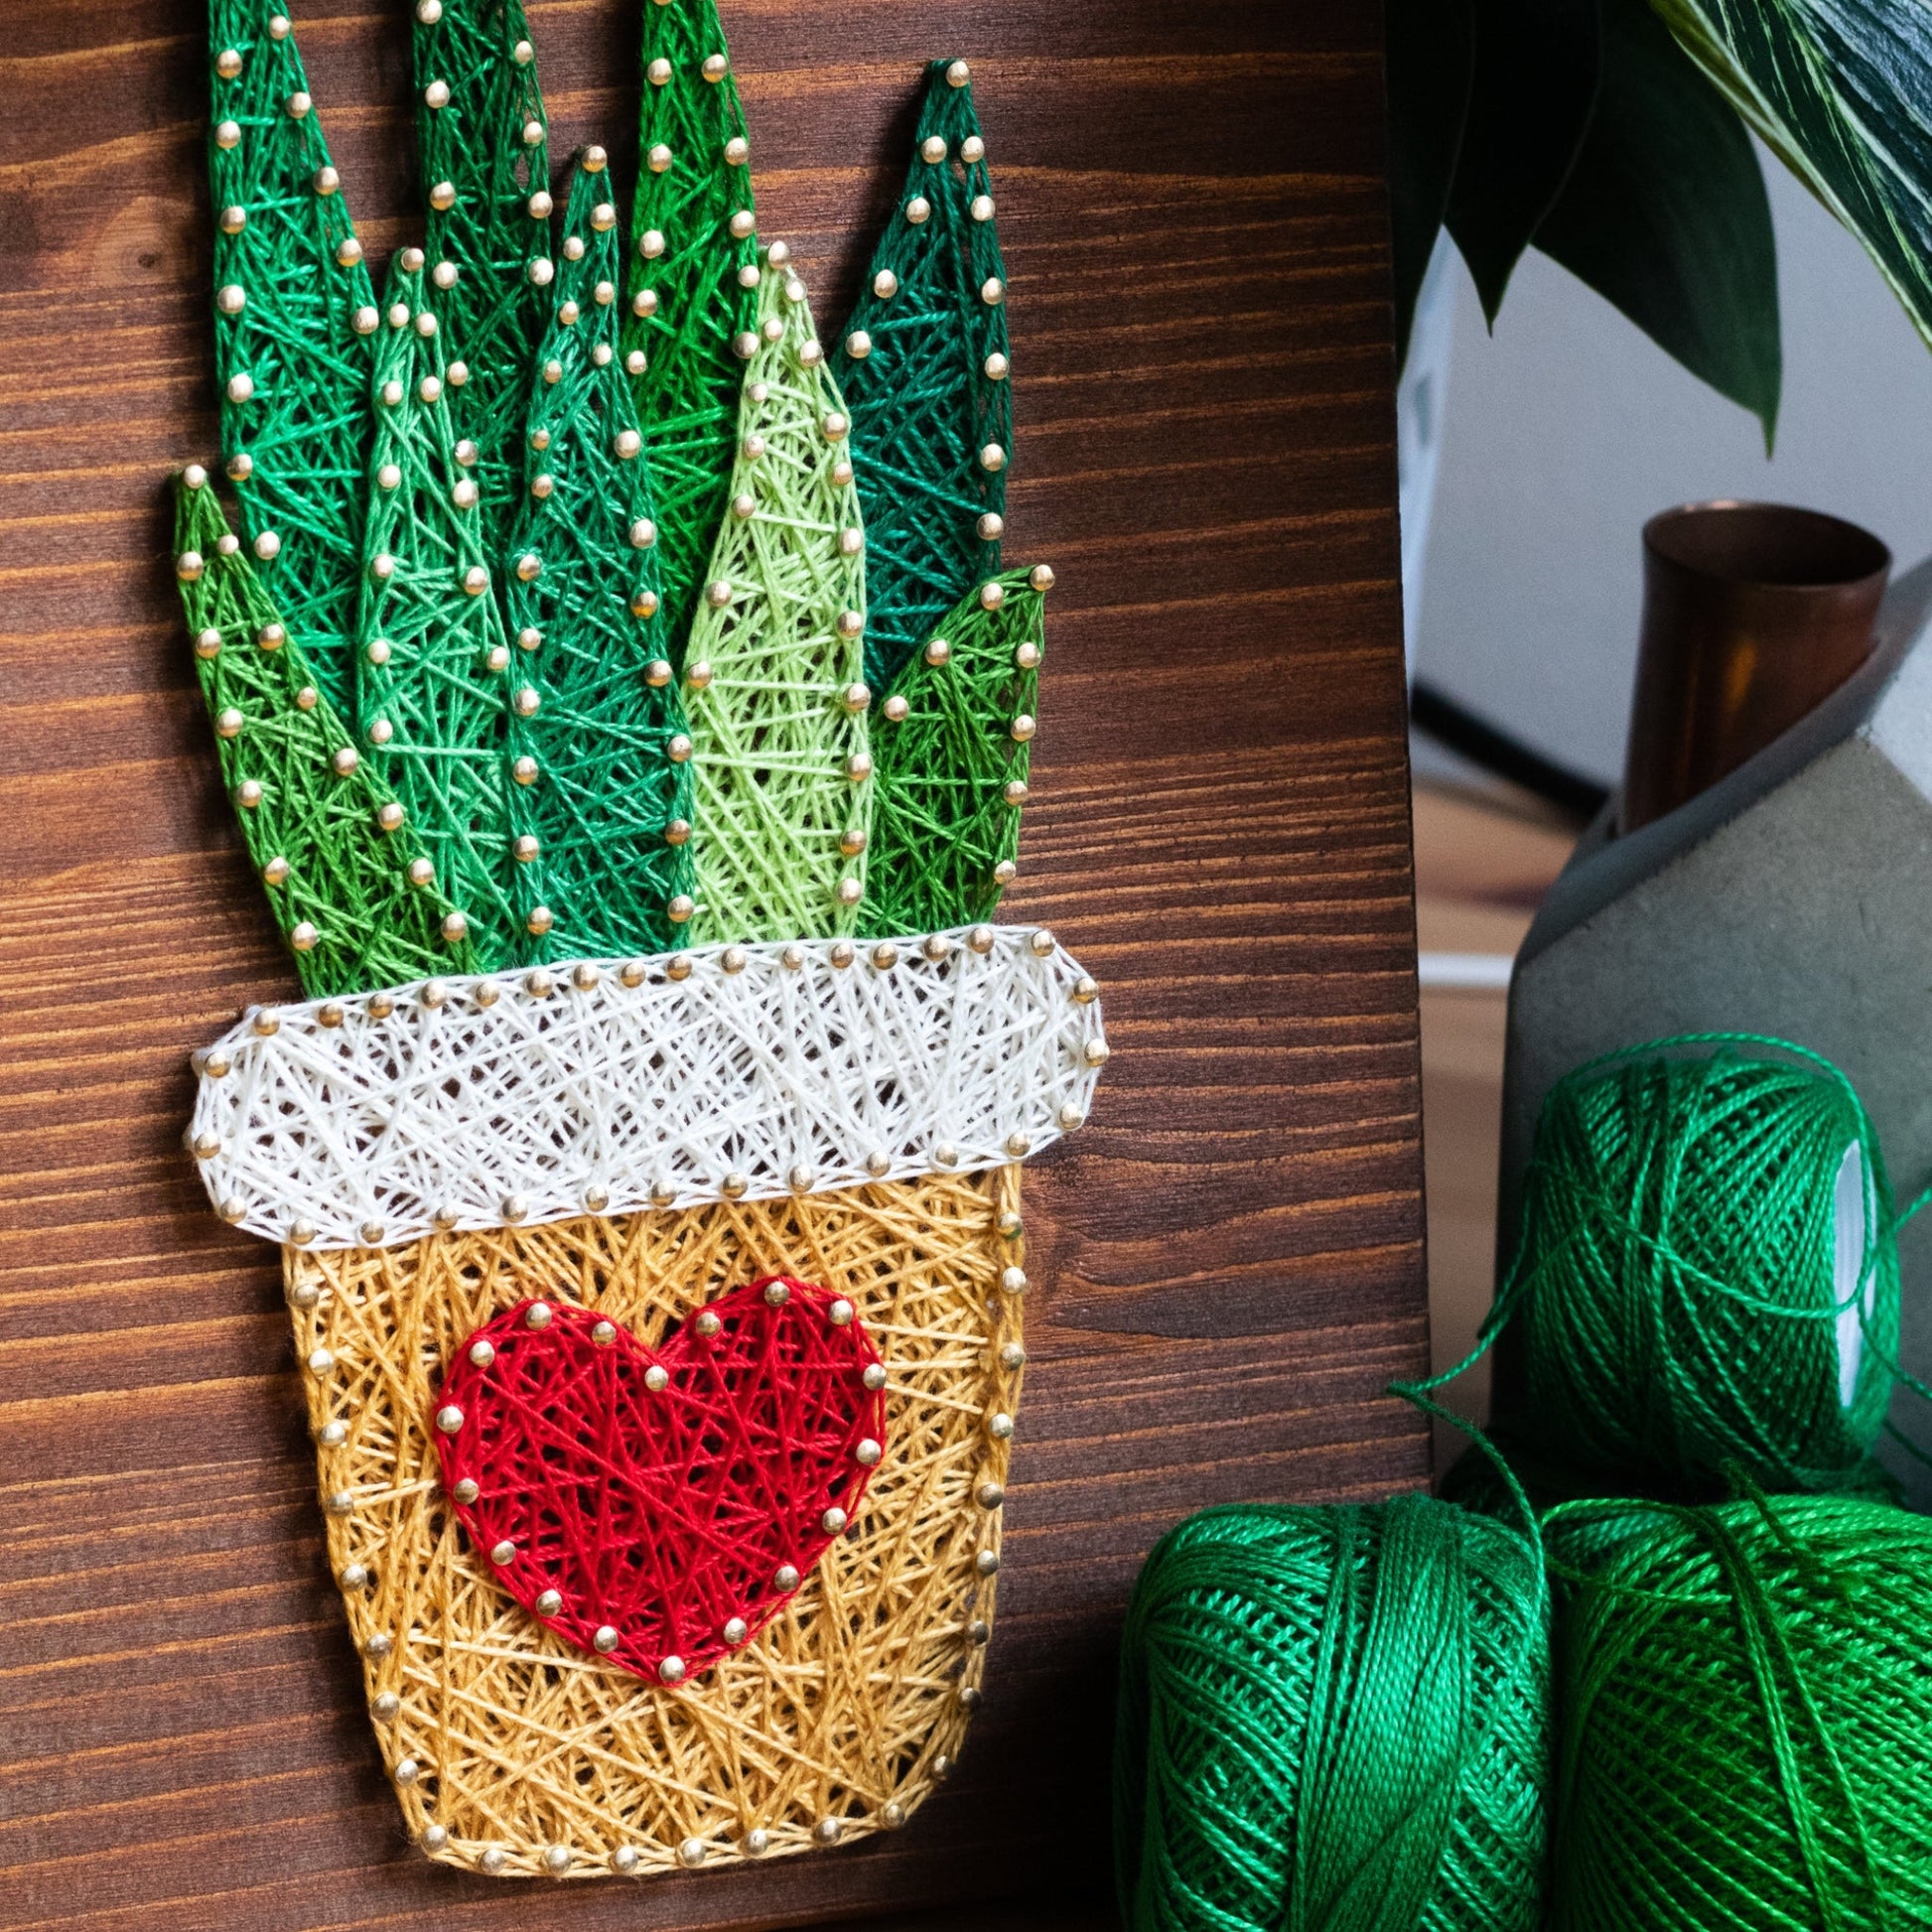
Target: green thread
609, 813
328, 841
931, 406
693, 288
433, 678
772, 668
1746, 1716
1674, 1281
486, 188
1335, 1718
952, 745
290, 284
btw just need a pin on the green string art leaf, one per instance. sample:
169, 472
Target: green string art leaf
923, 366
771, 673
289, 348
480, 141
433, 677
610, 810
952, 744
328, 839
693, 288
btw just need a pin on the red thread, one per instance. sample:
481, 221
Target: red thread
659, 1514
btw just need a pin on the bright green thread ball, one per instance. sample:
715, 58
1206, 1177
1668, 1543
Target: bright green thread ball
1676, 1287
1747, 1731
1335, 1718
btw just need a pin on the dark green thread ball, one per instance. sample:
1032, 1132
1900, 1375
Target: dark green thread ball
1747, 1717
1679, 1291
1334, 1717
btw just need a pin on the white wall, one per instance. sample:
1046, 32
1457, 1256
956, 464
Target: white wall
1566, 429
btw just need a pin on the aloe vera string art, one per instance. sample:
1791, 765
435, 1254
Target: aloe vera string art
434, 675
692, 295
771, 672
482, 149
596, 707
329, 843
952, 746
924, 366
292, 313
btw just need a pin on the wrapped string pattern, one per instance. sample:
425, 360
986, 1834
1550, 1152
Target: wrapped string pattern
692, 292
291, 307
434, 680
924, 366
328, 841
608, 815
952, 746
486, 175
772, 674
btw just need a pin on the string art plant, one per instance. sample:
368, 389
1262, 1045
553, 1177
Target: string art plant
627, 713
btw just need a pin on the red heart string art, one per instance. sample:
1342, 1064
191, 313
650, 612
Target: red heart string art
660, 1509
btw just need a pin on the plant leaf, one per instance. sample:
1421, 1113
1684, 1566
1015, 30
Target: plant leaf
1665, 214
1530, 101
1841, 91
1430, 60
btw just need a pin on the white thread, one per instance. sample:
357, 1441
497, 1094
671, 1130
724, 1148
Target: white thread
448, 1113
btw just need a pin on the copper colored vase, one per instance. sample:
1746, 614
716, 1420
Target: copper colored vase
1752, 613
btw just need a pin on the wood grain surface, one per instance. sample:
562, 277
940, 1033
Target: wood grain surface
1228, 1259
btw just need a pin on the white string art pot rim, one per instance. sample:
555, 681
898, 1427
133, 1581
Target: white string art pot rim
726, 1072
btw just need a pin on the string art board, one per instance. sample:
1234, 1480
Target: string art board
1214, 1239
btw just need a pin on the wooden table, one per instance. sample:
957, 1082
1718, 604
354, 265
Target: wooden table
1229, 1257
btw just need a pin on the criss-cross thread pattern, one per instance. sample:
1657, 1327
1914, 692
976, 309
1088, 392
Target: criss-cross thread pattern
658, 1507
952, 745
513, 1751
292, 311
1335, 1717
734, 1072
328, 839
609, 811
924, 366
692, 293
434, 679
773, 671
485, 179
1748, 1705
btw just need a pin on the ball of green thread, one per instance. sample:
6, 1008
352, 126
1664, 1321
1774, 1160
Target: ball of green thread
1334, 1717
1747, 1718
1676, 1286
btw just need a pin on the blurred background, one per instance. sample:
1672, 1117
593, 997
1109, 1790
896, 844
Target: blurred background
1548, 445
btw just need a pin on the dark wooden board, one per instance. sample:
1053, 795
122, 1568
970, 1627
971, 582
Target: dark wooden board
1228, 1258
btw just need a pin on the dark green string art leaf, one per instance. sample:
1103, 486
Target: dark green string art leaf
610, 811
923, 368
693, 288
952, 746
290, 282
433, 678
480, 129
328, 839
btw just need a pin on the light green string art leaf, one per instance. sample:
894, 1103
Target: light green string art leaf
289, 285
434, 677
923, 366
610, 809
693, 287
952, 744
480, 130
328, 839
771, 673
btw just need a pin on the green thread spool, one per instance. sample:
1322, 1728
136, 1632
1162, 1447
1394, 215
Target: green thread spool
1708, 1271
1747, 1717
1333, 1719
